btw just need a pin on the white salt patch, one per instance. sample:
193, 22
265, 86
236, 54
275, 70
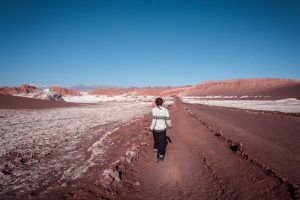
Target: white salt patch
224, 97
35, 134
97, 147
290, 105
244, 97
132, 97
86, 98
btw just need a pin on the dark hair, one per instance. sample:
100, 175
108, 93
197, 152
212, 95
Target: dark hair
159, 101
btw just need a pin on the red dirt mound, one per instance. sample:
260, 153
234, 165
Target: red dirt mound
13, 102
274, 87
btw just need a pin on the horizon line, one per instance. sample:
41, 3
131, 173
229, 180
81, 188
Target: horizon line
94, 86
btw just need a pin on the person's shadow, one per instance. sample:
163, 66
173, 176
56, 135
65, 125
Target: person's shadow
167, 141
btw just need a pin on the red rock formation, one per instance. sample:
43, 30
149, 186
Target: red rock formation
65, 91
175, 91
146, 91
23, 89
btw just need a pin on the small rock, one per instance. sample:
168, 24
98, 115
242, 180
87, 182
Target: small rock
137, 183
116, 163
111, 175
64, 185
123, 158
23, 160
131, 153
144, 143
241, 147
218, 134
234, 147
6, 172
32, 193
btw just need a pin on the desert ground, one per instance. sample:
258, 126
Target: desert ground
100, 147
200, 163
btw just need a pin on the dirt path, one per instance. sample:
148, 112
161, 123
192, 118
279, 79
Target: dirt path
182, 174
199, 165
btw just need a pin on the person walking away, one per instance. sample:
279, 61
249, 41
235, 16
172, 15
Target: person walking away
160, 122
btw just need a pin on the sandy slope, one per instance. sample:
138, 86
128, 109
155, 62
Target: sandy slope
270, 88
13, 102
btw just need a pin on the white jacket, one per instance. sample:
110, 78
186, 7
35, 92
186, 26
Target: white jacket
160, 119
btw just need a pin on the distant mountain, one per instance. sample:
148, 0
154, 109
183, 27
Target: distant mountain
84, 87
40, 86
266, 88
272, 88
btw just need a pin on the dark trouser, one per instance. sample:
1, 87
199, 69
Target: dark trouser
160, 141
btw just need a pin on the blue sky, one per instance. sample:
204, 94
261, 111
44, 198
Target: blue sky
147, 43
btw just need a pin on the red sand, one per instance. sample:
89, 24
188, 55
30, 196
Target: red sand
199, 165
275, 88
272, 139
13, 102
